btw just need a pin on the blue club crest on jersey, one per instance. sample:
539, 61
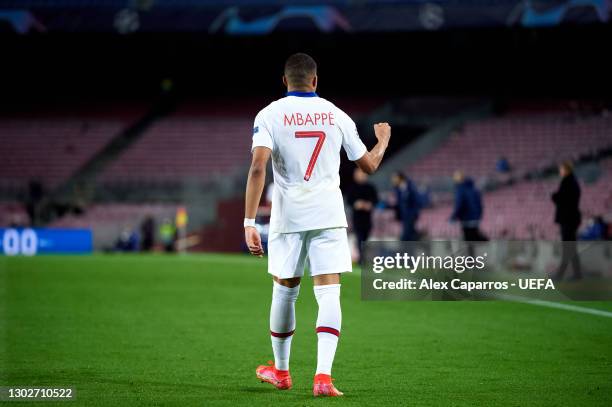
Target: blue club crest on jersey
255, 129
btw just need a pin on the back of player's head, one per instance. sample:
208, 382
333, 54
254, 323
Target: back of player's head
300, 69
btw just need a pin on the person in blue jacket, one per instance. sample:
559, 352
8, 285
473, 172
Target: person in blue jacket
597, 229
468, 208
408, 205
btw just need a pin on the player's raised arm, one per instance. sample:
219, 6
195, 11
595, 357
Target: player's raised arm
254, 189
370, 161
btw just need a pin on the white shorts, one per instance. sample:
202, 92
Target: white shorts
324, 251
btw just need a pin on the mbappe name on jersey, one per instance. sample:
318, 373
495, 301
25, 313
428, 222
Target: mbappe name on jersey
315, 119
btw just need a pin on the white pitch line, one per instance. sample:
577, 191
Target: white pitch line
559, 305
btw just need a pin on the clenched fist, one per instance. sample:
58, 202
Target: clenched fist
382, 132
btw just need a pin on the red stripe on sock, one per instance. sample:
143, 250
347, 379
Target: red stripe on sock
282, 335
328, 330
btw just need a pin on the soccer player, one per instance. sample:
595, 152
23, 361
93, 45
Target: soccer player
303, 133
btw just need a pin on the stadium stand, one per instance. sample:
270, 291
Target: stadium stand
52, 148
115, 213
529, 141
201, 142
13, 214
185, 147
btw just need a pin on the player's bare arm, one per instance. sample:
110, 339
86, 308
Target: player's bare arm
371, 160
254, 189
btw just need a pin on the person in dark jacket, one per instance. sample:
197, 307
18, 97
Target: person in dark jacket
468, 208
597, 229
147, 231
502, 165
408, 205
567, 216
397, 181
362, 197
127, 241
33, 200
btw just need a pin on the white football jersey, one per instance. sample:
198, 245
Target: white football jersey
305, 133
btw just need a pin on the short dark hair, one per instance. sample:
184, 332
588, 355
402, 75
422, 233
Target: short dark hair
400, 175
299, 69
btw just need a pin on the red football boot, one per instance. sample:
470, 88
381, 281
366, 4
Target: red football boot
323, 386
281, 379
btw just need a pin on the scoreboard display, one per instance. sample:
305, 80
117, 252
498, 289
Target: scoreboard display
33, 241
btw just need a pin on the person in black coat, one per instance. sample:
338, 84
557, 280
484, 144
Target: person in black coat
147, 231
567, 216
362, 197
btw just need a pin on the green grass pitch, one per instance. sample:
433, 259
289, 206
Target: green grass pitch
156, 330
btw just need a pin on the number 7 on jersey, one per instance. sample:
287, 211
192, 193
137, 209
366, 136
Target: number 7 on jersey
315, 154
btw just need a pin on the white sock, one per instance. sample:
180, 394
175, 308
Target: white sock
329, 322
282, 323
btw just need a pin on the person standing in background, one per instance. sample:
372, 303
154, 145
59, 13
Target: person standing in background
362, 197
33, 200
468, 208
397, 181
503, 165
567, 215
167, 235
408, 205
147, 231
180, 221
